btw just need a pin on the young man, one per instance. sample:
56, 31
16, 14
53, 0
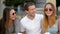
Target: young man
30, 24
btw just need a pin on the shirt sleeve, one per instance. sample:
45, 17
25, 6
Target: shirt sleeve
42, 16
22, 29
17, 25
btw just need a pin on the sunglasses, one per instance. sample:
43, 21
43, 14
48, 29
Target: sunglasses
48, 9
13, 13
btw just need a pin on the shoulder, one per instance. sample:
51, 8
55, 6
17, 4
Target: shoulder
56, 22
23, 19
40, 15
17, 20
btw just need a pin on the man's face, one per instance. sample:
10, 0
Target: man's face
31, 10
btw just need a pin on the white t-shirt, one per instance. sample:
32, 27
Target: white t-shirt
31, 26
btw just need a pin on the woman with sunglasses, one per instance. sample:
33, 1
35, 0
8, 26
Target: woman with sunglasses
49, 22
7, 25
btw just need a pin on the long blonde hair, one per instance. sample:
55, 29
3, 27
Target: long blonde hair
53, 17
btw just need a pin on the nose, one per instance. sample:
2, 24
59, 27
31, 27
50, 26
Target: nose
48, 10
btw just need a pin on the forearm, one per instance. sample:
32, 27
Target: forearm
22, 32
59, 26
42, 29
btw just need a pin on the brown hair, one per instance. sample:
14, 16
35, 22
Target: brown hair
5, 18
27, 5
53, 16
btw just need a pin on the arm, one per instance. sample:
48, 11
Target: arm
42, 29
42, 25
22, 32
59, 26
22, 29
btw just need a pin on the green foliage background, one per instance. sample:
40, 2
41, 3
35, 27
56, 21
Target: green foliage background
17, 2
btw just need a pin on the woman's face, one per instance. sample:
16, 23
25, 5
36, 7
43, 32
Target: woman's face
48, 10
12, 14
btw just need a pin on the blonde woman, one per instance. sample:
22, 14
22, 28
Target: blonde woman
49, 22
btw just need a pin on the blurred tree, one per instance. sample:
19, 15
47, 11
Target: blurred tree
17, 2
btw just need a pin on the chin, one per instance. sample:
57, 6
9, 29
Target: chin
13, 19
49, 15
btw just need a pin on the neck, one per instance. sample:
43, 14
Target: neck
9, 23
31, 17
49, 21
49, 18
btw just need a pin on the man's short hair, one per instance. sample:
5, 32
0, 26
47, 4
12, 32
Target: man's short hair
27, 5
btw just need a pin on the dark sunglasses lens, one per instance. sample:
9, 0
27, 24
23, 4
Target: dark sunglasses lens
50, 9
13, 13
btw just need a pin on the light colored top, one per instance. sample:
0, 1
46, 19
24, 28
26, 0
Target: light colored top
54, 28
31, 26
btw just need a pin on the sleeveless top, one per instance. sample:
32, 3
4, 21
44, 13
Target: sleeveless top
53, 29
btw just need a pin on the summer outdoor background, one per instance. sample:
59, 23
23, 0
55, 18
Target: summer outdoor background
18, 5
